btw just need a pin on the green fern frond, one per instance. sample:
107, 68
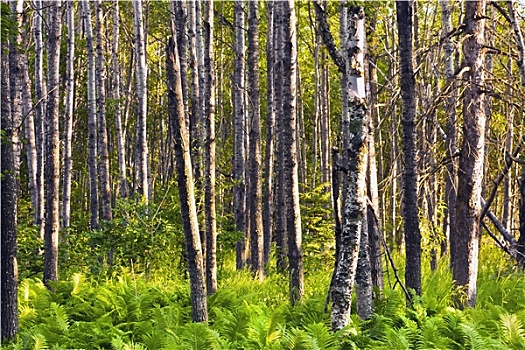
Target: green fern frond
40, 342
198, 336
512, 332
320, 334
297, 339
61, 317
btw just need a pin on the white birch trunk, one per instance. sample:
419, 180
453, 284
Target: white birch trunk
105, 189
40, 111
141, 76
92, 119
355, 136
117, 97
68, 115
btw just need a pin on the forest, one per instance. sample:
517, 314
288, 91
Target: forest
262, 174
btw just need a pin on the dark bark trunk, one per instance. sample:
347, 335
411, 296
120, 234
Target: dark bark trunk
52, 225
410, 207
10, 169
185, 182
290, 155
268, 196
254, 203
209, 152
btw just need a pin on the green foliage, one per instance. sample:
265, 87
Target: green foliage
318, 226
128, 311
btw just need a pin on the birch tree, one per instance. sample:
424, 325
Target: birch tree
290, 155
118, 107
40, 111
254, 162
186, 187
68, 115
239, 160
92, 119
105, 190
268, 194
142, 100
354, 212
470, 171
209, 152
52, 224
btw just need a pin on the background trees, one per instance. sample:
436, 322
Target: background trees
300, 93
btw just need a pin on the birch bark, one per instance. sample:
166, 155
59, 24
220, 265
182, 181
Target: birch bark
68, 115
186, 187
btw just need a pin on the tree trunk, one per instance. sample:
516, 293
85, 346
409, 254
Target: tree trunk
196, 97
105, 189
470, 172
281, 240
410, 208
92, 120
142, 103
40, 109
11, 80
52, 224
450, 142
290, 154
254, 203
239, 187
68, 122
373, 213
209, 152
185, 181
116, 95
29, 125
354, 213
268, 195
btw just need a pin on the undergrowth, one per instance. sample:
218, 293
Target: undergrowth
130, 311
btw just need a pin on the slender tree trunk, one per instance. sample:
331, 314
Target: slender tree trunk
520, 42
52, 224
268, 195
40, 109
116, 95
68, 122
373, 213
470, 172
209, 152
11, 108
29, 125
239, 187
142, 102
92, 120
290, 155
254, 201
281, 240
196, 97
354, 213
105, 186
408, 121
450, 142
185, 181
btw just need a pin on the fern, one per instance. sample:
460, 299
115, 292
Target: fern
40, 342
320, 335
198, 336
512, 333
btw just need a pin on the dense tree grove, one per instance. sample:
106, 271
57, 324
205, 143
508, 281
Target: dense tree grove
352, 149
